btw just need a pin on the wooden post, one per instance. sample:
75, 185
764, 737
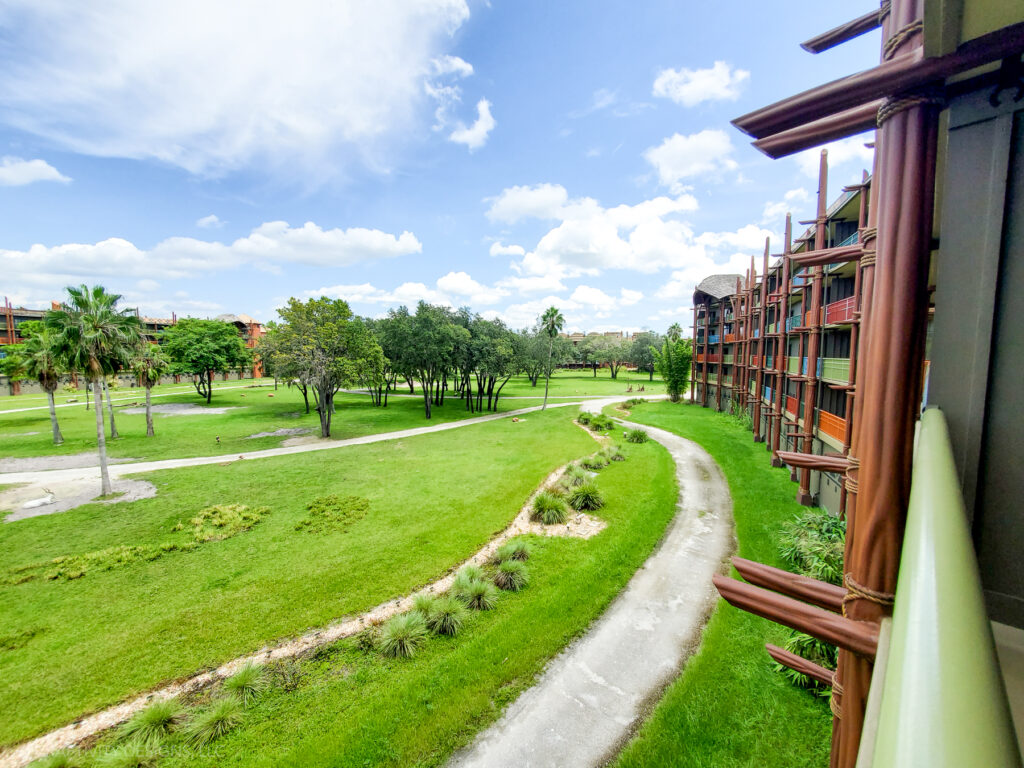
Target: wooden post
782, 342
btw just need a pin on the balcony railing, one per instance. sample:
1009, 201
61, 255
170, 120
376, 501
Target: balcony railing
840, 311
755, 360
795, 367
727, 359
730, 338
713, 339
848, 241
835, 369
832, 425
941, 700
769, 362
727, 381
792, 404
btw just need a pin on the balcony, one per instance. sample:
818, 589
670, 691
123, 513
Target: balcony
727, 381
768, 394
832, 425
727, 359
834, 369
713, 339
809, 318
730, 338
792, 404
755, 360
848, 241
769, 362
794, 366
792, 322
840, 311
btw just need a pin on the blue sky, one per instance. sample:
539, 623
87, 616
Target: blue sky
200, 158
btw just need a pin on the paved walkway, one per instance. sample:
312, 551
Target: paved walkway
590, 698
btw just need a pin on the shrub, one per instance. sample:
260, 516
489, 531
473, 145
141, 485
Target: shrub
601, 423
286, 674
333, 513
467, 574
247, 684
586, 496
423, 604
637, 436
154, 722
215, 721
635, 401
549, 508
593, 463
402, 635
812, 649
478, 595
512, 550
612, 453
133, 754
574, 475
62, 758
447, 617
813, 544
511, 575
583, 418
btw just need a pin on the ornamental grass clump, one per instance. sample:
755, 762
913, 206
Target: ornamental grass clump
478, 595
424, 604
133, 754
612, 453
446, 616
637, 436
574, 475
593, 463
512, 550
511, 575
467, 574
549, 508
63, 758
218, 719
401, 636
583, 418
601, 423
155, 722
247, 684
586, 497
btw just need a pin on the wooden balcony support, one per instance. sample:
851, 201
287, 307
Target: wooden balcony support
800, 664
839, 464
813, 134
844, 32
819, 593
836, 255
859, 637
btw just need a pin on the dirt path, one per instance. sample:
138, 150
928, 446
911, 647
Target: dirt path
591, 698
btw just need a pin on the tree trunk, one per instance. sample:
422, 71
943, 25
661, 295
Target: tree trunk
209, 386
412, 388
87, 396
305, 396
101, 439
651, 373
57, 437
425, 388
149, 412
110, 407
547, 373
595, 369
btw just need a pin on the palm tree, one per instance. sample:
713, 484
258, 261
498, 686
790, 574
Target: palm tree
149, 364
94, 337
674, 332
551, 323
40, 360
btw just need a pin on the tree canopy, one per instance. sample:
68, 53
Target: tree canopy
201, 348
673, 361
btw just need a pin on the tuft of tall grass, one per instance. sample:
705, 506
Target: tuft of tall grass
132, 754
402, 635
62, 758
215, 721
574, 475
247, 684
584, 417
637, 436
601, 423
612, 453
447, 616
549, 508
593, 463
586, 497
155, 722
516, 549
466, 575
424, 604
478, 595
511, 575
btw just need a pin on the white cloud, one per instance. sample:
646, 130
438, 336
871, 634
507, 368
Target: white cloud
840, 153
304, 87
475, 136
497, 249
16, 172
690, 87
543, 201
452, 65
462, 285
628, 297
408, 294
794, 199
594, 297
526, 314
681, 157
535, 284
209, 222
147, 285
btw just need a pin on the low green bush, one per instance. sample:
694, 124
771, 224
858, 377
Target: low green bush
478, 595
593, 463
813, 544
635, 401
222, 521
549, 508
612, 453
468, 573
601, 423
424, 604
583, 417
402, 635
516, 549
155, 722
247, 684
62, 758
447, 616
637, 436
215, 721
586, 497
574, 475
812, 649
133, 754
511, 575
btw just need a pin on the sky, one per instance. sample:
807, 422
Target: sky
206, 157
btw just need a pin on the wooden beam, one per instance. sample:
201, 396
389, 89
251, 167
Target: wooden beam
842, 33
834, 255
831, 128
819, 593
800, 664
813, 461
859, 637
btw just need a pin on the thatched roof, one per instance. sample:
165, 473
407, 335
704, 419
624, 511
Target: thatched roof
717, 286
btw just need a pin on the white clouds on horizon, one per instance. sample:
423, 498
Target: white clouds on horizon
690, 87
17, 172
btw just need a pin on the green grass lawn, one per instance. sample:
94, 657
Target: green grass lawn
69, 647
728, 707
356, 708
583, 382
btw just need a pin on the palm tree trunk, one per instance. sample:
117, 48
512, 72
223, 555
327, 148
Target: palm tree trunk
149, 413
57, 437
547, 373
87, 395
110, 407
101, 439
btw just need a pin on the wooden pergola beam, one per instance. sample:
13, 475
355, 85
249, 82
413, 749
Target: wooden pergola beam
834, 255
842, 33
819, 593
800, 664
815, 461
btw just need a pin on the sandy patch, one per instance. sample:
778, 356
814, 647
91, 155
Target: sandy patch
22, 434
72, 461
33, 501
282, 432
183, 409
304, 440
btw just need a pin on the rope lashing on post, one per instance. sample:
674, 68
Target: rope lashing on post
836, 697
893, 105
900, 37
860, 592
884, 10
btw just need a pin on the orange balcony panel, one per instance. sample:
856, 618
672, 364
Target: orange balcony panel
841, 311
832, 425
730, 338
792, 404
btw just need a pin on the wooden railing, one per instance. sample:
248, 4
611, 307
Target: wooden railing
792, 404
832, 425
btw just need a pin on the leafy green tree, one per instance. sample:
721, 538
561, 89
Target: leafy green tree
280, 360
149, 363
551, 324
434, 339
673, 361
38, 357
674, 332
93, 336
640, 353
614, 351
328, 347
532, 355
201, 348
